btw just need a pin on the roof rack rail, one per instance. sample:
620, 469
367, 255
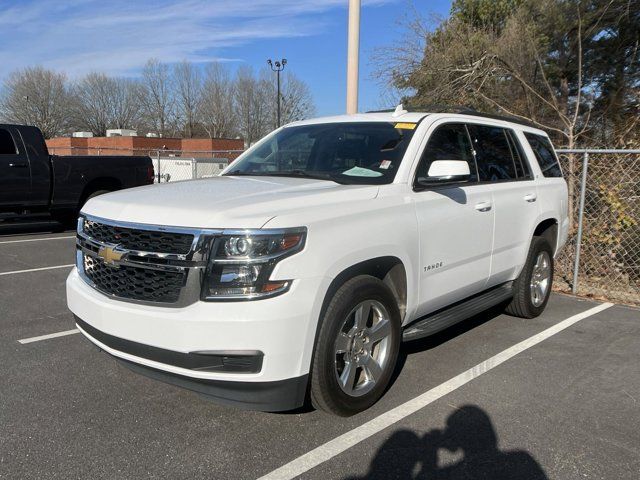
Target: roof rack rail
429, 109
460, 109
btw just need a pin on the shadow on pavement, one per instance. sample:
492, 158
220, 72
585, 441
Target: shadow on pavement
444, 336
32, 227
470, 435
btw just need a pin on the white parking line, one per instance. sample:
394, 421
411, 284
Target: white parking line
47, 337
36, 269
37, 239
338, 445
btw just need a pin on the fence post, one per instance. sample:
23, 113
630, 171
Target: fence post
583, 189
194, 169
158, 154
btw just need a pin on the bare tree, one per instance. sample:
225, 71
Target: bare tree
157, 97
36, 96
251, 98
296, 99
126, 111
189, 93
217, 110
531, 65
101, 102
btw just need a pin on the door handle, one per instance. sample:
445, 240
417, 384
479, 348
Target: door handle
18, 165
531, 197
483, 206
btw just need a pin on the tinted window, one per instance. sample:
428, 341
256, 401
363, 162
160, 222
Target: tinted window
493, 153
7, 147
520, 159
545, 155
448, 142
355, 152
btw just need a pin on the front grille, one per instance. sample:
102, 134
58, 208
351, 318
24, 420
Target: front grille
138, 239
135, 283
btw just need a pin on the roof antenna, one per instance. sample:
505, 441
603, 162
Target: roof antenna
399, 111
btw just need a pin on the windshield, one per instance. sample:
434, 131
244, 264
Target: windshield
357, 152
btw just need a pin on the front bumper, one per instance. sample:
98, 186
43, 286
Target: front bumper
282, 329
273, 396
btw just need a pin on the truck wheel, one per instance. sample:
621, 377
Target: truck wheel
357, 347
532, 288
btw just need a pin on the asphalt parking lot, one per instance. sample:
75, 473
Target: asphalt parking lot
495, 397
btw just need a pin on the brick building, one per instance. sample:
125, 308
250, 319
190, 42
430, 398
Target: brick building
185, 147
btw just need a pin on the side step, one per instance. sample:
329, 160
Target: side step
434, 322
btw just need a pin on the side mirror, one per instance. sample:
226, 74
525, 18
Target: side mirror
442, 172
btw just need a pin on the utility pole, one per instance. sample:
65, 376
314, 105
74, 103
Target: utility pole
277, 67
353, 52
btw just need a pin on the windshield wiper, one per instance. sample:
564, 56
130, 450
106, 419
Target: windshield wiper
238, 172
305, 174
290, 173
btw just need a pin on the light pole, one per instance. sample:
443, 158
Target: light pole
277, 67
353, 51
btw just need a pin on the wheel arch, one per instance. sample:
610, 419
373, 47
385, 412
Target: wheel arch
101, 183
390, 269
548, 228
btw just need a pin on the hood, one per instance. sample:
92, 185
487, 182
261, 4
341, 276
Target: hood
222, 202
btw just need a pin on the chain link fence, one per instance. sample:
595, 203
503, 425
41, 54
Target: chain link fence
602, 256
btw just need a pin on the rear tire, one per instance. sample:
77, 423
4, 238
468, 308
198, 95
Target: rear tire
532, 288
357, 347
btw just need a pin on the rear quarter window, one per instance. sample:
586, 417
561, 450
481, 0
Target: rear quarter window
543, 150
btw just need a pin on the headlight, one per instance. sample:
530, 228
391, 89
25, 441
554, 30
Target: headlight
241, 263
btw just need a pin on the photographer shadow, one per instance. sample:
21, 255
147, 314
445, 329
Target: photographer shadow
469, 434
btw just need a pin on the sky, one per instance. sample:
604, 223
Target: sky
117, 37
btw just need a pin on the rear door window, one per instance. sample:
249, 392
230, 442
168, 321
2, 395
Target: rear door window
448, 142
543, 150
493, 153
7, 145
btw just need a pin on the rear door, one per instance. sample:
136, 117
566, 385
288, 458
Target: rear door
15, 175
552, 189
455, 224
503, 168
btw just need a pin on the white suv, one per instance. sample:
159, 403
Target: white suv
298, 272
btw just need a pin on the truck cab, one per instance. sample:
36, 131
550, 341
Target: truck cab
24, 168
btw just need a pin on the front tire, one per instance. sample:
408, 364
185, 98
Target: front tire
357, 347
532, 288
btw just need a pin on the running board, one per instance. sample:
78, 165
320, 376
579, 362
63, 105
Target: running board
442, 319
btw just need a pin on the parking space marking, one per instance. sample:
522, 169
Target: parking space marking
37, 269
48, 336
36, 239
347, 440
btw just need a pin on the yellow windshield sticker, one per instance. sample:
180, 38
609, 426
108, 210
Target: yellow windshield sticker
406, 126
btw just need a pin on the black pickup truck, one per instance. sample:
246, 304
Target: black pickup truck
32, 181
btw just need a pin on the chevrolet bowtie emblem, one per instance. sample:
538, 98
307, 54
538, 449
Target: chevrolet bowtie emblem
109, 255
